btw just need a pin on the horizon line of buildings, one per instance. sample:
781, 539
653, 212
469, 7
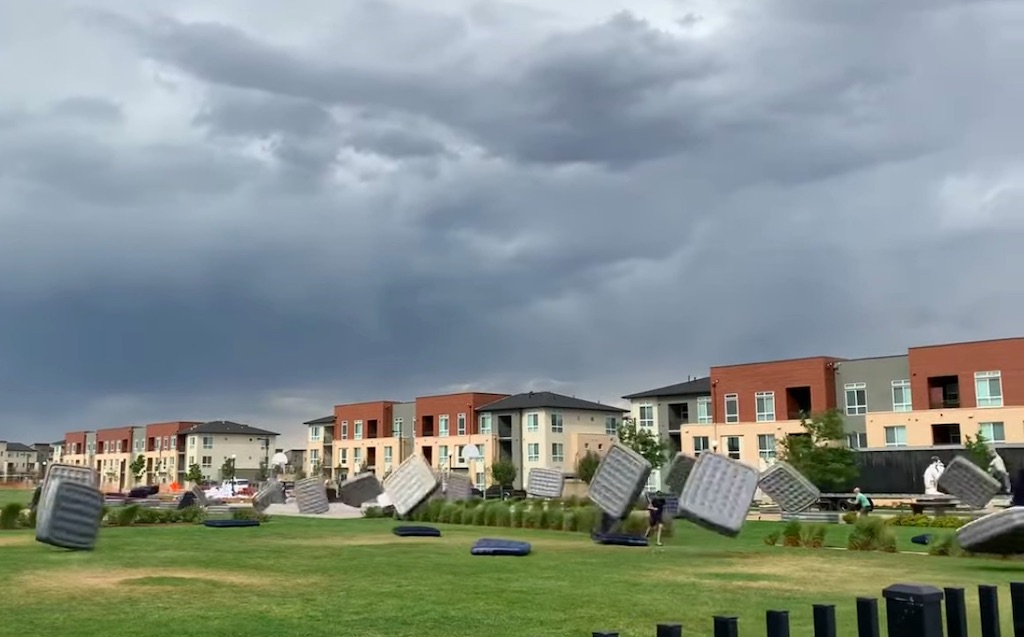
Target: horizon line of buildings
930, 396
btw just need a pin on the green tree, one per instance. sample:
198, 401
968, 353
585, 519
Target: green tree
504, 473
977, 450
587, 465
194, 474
138, 466
821, 453
644, 442
227, 470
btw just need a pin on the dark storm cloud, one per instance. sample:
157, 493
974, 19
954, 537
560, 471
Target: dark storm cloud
197, 221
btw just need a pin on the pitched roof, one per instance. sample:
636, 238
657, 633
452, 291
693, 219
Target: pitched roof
696, 387
17, 446
546, 399
326, 420
228, 427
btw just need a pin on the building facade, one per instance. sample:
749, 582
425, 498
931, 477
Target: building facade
165, 452
18, 462
114, 458
365, 439
218, 444
445, 425
319, 447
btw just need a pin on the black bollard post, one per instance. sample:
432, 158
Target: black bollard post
605, 634
669, 630
1017, 605
824, 620
726, 627
956, 613
777, 622
913, 610
988, 601
867, 617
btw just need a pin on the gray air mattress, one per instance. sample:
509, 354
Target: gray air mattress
718, 494
545, 483
619, 481
788, 488
201, 499
969, 483
359, 490
410, 484
458, 487
65, 473
999, 533
73, 512
678, 471
272, 493
311, 496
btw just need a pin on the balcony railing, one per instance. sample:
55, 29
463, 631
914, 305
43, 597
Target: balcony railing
946, 403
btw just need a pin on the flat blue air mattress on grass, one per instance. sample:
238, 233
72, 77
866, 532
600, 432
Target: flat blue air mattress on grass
492, 546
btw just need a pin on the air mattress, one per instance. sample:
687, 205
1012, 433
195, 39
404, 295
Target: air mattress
188, 499
788, 488
416, 531
66, 473
491, 546
273, 493
969, 483
619, 480
201, 499
360, 489
458, 487
545, 483
718, 494
619, 539
678, 471
311, 496
230, 524
69, 515
999, 533
410, 484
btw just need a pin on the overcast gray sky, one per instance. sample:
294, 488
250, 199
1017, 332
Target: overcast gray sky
254, 211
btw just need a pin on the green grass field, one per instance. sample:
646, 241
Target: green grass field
331, 578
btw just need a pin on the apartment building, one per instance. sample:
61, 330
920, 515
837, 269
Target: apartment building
541, 430
80, 448
57, 451
319, 456
944, 393
18, 462
212, 444
373, 436
446, 424
164, 451
114, 456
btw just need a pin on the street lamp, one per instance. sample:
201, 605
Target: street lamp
233, 456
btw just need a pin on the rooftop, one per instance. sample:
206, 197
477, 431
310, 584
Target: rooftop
17, 446
547, 400
326, 420
228, 427
694, 387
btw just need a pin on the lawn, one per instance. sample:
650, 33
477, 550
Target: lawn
332, 578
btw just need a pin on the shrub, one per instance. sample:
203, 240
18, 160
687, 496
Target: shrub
792, 534
236, 514
772, 539
938, 522
9, 515
850, 517
125, 516
871, 534
813, 536
373, 512
555, 520
946, 545
478, 515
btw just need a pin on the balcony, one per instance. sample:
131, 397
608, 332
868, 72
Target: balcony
949, 403
943, 392
678, 415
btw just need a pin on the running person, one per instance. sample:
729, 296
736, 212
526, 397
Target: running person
656, 509
861, 502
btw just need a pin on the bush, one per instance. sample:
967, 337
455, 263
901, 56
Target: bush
850, 517
871, 534
772, 539
792, 533
813, 537
125, 516
236, 514
937, 522
10, 515
373, 512
946, 546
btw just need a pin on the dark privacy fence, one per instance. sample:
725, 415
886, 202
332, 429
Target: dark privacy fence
911, 610
902, 470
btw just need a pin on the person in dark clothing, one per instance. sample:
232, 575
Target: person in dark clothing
656, 509
1018, 490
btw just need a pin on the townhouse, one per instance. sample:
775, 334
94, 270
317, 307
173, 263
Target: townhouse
18, 462
217, 444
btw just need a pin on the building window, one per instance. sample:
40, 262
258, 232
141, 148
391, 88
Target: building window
191, 443
732, 447
766, 447
611, 425
856, 399
207, 442
988, 389
646, 414
857, 440
532, 422
357, 457
700, 445
396, 428
314, 457
732, 408
118, 446
359, 430
901, 400
765, 406
342, 457
481, 482
533, 452
174, 442
442, 425
556, 424
480, 451
992, 431
896, 436
344, 430
207, 462
442, 456
485, 424
460, 423
557, 452
314, 433
460, 457
387, 455
704, 410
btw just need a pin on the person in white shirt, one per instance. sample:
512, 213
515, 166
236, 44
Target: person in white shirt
997, 468
932, 475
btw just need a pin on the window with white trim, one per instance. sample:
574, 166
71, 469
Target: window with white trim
344, 430
460, 424
895, 436
700, 445
388, 454
533, 452
766, 447
314, 433
485, 424
611, 425
556, 423
191, 443
207, 442
442, 456
732, 408
442, 425
646, 416
765, 402
359, 430
396, 428
342, 457
988, 389
207, 462
704, 415
357, 456
992, 431
481, 480
901, 398
557, 452
532, 422
733, 446
856, 399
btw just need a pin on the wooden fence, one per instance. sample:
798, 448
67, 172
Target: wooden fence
911, 610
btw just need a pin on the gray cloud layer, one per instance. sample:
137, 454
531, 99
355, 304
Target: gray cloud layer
240, 212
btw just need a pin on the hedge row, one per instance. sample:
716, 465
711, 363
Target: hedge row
17, 516
554, 515
923, 521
